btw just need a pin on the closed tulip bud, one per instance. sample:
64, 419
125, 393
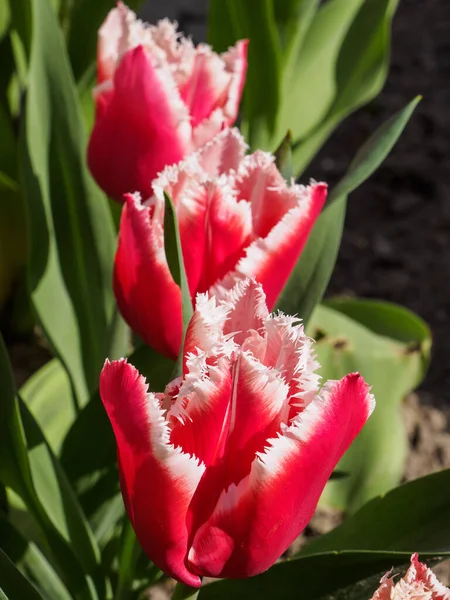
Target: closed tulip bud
237, 218
158, 98
222, 471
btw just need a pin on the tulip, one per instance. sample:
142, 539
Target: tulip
237, 219
222, 471
158, 98
419, 583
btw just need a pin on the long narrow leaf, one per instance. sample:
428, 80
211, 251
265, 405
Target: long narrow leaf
72, 234
28, 467
312, 272
31, 562
13, 585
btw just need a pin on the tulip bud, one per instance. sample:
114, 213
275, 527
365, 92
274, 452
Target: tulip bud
158, 98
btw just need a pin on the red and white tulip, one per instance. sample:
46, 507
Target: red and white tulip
237, 218
222, 471
419, 583
158, 98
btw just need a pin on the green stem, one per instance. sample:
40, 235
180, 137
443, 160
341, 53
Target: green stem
128, 555
185, 592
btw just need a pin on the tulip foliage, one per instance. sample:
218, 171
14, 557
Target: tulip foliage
186, 424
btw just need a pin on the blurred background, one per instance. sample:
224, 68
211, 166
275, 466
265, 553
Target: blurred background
396, 243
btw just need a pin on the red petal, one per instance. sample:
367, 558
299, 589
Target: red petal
255, 521
157, 481
260, 183
147, 296
271, 260
143, 127
216, 82
227, 232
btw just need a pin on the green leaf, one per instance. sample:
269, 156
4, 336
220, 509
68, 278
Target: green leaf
293, 19
31, 562
174, 256
49, 396
13, 585
310, 86
5, 17
283, 157
310, 276
389, 320
29, 468
413, 517
354, 72
253, 20
14, 466
375, 461
371, 154
129, 552
72, 233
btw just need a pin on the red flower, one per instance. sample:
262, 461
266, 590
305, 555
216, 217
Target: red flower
419, 583
223, 471
237, 219
158, 98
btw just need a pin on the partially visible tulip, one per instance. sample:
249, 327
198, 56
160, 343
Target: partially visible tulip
237, 219
419, 583
158, 98
222, 471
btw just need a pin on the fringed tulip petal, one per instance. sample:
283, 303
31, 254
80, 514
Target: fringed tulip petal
271, 259
419, 583
151, 468
147, 296
242, 438
256, 520
216, 82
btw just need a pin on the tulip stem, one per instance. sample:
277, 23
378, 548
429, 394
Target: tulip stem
185, 592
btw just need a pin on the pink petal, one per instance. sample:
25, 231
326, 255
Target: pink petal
270, 260
143, 127
254, 522
223, 153
216, 82
154, 475
247, 310
205, 329
419, 575
259, 182
236, 62
147, 296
